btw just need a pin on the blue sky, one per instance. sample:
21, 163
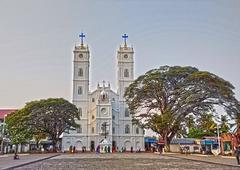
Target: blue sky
37, 39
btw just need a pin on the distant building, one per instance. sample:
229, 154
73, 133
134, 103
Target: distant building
104, 112
3, 138
5, 112
189, 145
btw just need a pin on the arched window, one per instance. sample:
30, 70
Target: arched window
80, 90
126, 73
126, 112
113, 130
80, 111
79, 129
80, 72
137, 130
127, 129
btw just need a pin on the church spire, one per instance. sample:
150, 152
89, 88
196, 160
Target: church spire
125, 36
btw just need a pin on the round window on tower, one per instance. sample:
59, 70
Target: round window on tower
80, 55
126, 56
103, 110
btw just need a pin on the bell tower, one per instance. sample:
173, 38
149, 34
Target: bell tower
81, 77
125, 71
125, 76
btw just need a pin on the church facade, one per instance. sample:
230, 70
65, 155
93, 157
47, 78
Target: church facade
103, 112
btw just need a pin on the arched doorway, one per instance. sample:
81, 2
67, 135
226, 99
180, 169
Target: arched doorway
138, 146
127, 145
92, 146
68, 144
114, 146
79, 145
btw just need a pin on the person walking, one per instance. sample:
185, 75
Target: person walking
131, 149
237, 152
98, 149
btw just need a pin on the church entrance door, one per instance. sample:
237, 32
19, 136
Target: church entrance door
114, 145
92, 146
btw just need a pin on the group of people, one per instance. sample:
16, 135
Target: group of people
72, 149
107, 149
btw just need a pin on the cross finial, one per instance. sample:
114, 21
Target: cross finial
104, 83
104, 127
81, 37
125, 36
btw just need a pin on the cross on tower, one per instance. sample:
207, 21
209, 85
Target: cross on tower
103, 83
104, 126
81, 37
125, 36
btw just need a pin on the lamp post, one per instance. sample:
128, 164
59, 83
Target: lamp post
219, 144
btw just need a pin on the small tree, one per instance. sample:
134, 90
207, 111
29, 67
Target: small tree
17, 129
50, 117
206, 124
224, 124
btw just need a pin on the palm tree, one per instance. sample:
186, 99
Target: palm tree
207, 124
224, 124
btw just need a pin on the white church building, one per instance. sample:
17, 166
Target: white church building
103, 112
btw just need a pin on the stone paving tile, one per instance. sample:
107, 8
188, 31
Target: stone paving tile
208, 158
121, 162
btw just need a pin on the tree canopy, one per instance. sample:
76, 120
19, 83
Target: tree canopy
162, 98
48, 117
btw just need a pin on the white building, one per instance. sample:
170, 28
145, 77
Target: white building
103, 105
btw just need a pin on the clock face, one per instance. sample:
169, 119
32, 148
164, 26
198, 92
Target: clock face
103, 110
126, 56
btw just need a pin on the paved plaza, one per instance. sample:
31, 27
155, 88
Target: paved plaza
7, 161
137, 161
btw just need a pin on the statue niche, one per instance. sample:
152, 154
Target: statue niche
103, 96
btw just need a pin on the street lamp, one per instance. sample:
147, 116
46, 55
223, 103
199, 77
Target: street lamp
219, 144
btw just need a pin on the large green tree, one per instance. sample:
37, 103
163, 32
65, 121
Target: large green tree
49, 117
162, 98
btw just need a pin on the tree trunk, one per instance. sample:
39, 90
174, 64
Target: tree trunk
37, 143
16, 149
167, 143
2, 147
54, 143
